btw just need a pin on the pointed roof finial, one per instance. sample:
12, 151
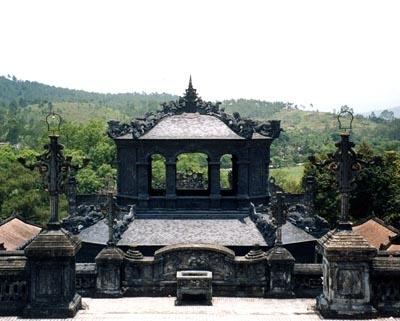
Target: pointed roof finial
190, 82
191, 97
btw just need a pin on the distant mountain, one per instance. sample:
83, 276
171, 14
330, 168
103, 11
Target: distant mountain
23, 93
395, 110
23, 108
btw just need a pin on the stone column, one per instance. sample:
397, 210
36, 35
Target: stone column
281, 265
170, 182
108, 263
243, 183
346, 275
51, 284
214, 183
143, 183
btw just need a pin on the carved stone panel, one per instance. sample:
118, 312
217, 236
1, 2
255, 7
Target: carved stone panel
52, 277
350, 283
195, 258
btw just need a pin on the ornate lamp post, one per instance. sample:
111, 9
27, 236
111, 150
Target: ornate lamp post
345, 163
53, 166
108, 210
346, 255
51, 255
71, 186
109, 260
279, 259
279, 216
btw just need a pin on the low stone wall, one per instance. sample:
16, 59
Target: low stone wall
86, 274
13, 282
385, 285
232, 276
238, 276
307, 280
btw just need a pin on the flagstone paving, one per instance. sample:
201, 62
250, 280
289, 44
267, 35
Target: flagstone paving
223, 309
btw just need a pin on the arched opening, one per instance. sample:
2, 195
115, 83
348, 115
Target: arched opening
192, 174
228, 175
157, 175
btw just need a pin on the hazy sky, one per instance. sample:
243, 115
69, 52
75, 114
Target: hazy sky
327, 53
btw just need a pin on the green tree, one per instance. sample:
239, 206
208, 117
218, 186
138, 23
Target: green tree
377, 189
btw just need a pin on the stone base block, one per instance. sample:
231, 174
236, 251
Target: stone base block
206, 301
389, 309
280, 294
350, 310
8, 308
109, 294
56, 310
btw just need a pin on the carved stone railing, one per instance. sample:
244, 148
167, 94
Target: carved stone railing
13, 282
307, 280
386, 284
86, 279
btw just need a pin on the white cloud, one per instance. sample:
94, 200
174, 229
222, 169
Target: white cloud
327, 53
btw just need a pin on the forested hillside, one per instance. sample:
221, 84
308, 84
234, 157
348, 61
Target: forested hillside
24, 104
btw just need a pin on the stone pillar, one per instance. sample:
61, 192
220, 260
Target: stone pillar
243, 183
51, 284
214, 182
346, 275
143, 183
281, 265
127, 171
108, 263
170, 183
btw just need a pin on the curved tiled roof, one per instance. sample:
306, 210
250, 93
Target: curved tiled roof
376, 232
14, 233
161, 232
191, 126
180, 119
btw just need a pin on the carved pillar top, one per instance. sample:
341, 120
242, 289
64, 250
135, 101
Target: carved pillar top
340, 241
53, 244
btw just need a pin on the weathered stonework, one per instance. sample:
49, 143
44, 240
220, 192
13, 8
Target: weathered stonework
109, 262
13, 275
51, 282
194, 283
232, 275
281, 264
346, 275
386, 284
186, 126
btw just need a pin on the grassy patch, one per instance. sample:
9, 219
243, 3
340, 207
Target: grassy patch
289, 178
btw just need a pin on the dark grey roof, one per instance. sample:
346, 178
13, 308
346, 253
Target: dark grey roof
97, 233
191, 126
161, 232
228, 232
293, 234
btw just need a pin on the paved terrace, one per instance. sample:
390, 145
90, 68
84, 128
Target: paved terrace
163, 309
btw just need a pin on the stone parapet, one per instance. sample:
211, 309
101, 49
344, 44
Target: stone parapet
307, 280
13, 287
385, 281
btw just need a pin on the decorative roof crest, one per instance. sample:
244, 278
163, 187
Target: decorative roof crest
192, 103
